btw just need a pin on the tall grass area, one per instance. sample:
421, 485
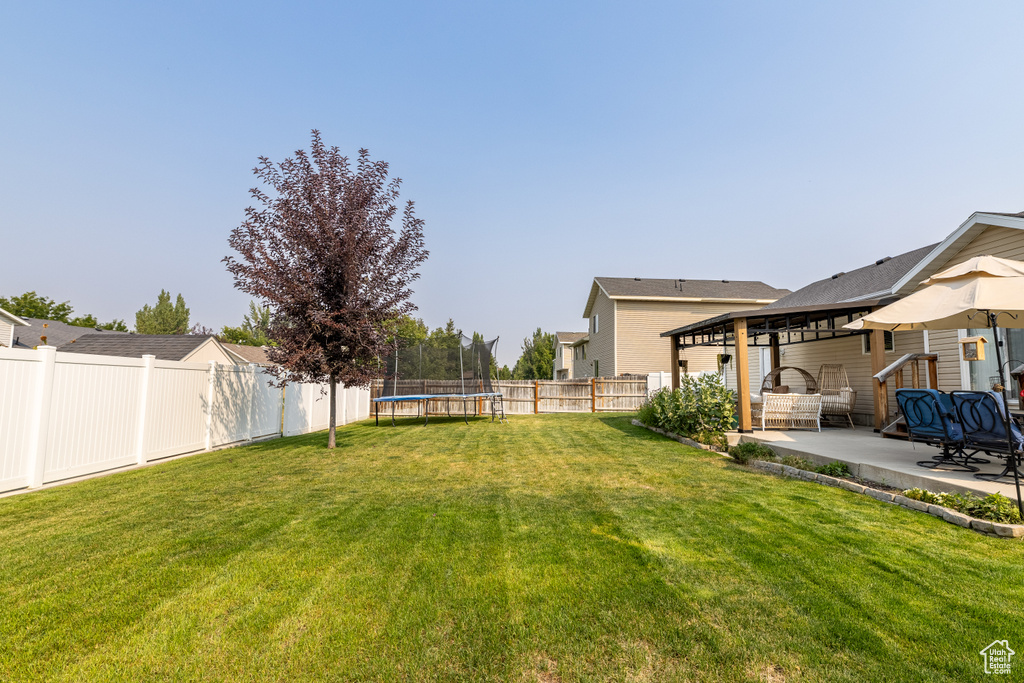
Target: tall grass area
553, 548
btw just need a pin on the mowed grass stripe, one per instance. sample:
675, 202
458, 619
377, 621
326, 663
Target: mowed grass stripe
557, 547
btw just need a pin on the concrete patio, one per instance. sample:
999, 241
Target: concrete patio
887, 461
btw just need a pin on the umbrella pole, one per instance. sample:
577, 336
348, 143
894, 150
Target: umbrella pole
1006, 415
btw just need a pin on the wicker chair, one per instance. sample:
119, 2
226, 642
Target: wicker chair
837, 398
770, 384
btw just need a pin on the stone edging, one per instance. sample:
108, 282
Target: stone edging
951, 516
676, 437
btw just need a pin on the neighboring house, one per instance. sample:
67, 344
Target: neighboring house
247, 354
876, 284
8, 323
563, 353
193, 348
56, 333
626, 317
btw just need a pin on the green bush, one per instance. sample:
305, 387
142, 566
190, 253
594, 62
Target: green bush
702, 408
994, 507
834, 469
798, 462
746, 452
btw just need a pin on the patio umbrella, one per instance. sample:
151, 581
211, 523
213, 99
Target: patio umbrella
984, 288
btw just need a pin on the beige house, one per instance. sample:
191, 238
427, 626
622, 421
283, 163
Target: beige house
563, 365
626, 317
807, 324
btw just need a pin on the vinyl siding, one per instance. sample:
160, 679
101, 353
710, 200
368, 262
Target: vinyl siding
563, 360
640, 346
995, 241
6, 334
601, 346
944, 344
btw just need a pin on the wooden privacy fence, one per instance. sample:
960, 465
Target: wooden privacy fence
527, 396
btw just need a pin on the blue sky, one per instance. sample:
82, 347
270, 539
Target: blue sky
544, 143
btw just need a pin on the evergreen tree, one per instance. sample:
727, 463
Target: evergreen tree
163, 318
538, 358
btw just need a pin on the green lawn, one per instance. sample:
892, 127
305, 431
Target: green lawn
553, 548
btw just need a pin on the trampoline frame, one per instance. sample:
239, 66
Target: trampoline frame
425, 398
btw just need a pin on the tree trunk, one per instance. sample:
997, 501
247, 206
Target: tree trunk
331, 420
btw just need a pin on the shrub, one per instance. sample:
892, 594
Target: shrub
834, 469
746, 452
994, 507
798, 462
701, 408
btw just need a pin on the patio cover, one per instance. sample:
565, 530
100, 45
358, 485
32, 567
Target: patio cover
773, 328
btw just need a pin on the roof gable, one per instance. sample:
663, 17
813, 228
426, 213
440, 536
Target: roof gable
660, 289
942, 252
12, 319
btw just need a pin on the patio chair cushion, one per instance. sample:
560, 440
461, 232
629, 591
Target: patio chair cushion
929, 415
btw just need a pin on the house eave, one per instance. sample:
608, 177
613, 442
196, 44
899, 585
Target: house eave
968, 230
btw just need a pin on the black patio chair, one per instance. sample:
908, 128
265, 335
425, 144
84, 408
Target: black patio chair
981, 415
931, 420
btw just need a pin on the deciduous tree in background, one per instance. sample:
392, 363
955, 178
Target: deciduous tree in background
163, 318
321, 252
32, 305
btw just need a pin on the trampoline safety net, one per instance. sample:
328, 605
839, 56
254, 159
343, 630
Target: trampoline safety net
420, 370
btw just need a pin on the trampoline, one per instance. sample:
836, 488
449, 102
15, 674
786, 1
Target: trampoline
429, 375
422, 399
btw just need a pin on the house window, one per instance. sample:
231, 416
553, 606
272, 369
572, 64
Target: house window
597, 369
593, 324
865, 343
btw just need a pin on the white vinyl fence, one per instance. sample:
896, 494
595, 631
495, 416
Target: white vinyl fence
64, 415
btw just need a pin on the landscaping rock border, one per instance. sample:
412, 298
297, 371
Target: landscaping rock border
676, 437
952, 516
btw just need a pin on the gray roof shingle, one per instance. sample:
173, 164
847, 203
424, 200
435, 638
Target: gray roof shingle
687, 289
56, 333
163, 346
862, 283
569, 337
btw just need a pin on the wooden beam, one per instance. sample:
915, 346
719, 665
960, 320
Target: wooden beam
933, 373
675, 362
880, 389
773, 344
743, 376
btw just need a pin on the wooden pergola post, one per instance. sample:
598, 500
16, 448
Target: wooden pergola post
881, 392
773, 344
675, 361
742, 375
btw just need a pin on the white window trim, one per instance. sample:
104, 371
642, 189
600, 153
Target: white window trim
864, 344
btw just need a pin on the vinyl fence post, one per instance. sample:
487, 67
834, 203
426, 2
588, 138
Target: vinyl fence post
254, 390
536, 396
209, 405
41, 417
148, 361
593, 394
344, 404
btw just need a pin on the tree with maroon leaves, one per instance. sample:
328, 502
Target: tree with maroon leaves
321, 252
